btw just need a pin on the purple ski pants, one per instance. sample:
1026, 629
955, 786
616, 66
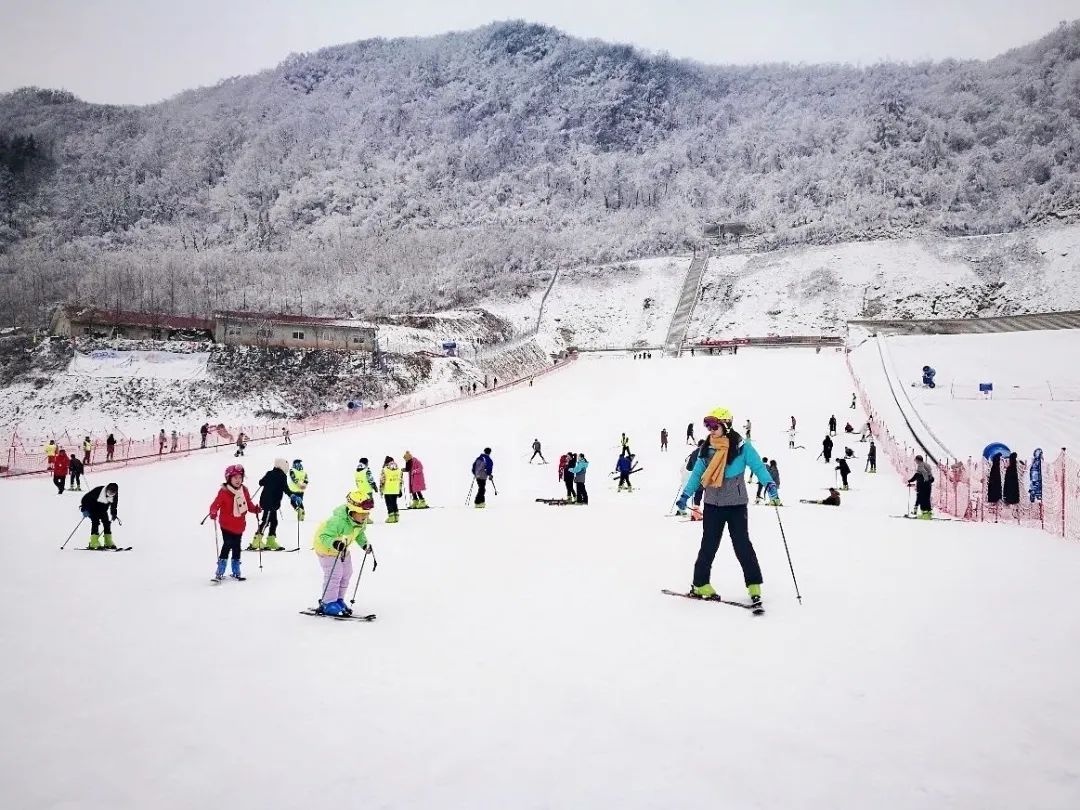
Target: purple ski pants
335, 581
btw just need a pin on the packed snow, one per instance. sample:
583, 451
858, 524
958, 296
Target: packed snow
1036, 389
523, 656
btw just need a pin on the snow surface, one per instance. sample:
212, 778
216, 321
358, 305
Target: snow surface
1036, 399
523, 656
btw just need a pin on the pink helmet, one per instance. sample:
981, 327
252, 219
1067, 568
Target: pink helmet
234, 469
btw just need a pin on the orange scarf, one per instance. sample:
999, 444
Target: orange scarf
714, 473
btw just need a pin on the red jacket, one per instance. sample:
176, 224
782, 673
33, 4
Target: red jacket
563, 463
60, 465
222, 510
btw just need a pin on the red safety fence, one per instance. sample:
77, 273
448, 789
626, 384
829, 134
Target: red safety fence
961, 485
27, 457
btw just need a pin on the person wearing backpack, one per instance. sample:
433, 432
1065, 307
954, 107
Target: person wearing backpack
482, 470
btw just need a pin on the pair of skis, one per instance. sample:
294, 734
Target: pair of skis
370, 617
104, 548
757, 609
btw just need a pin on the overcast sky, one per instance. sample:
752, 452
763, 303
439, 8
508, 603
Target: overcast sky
141, 51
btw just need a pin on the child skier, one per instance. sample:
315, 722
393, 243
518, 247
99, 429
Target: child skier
273, 484
100, 504
50, 453
623, 467
333, 539
365, 481
415, 470
230, 509
774, 473
844, 470
720, 469
298, 483
390, 481
75, 468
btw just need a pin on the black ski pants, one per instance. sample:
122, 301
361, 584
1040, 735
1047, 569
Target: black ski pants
59, 480
827, 454
843, 477
568, 480
715, 518
582, 493
229, 543
922, 496
871, 465
99, 517
268, 522
481, 491
391, 504
535, 454
624, 480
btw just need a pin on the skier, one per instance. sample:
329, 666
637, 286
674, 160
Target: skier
581, 466
482, 469
87, 446
273, 484
746, 429
848, 428
623, 466
833, 499
286, 437
853, 399
60, 470
871, 458
924, 481
365, 480
230, 509
624, 443
110, 447
690, 433
774, 473
390, 481
845, 471
720, 470
663, 440
415, 470
866, 432
826, 449
298, 484
204, 431
760, 486
175, 442
333, 539
100, 504
241, 444
793, 424
536, 452
832, 425
75, 468
161, 441
566, 472
50, 453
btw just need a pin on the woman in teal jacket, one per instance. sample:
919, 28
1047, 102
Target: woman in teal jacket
721, 470
579, 479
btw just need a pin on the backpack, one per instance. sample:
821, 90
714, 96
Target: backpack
479, 468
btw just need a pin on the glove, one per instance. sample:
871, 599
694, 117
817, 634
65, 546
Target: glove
338, 545
680, 505
771, 490
86, 512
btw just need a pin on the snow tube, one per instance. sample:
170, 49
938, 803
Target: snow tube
995, 447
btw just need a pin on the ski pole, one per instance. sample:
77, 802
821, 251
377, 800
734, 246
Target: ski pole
363, 562
217, 548
77, 525
331, 576
788, 552
468, 497
201, 522
494, 489
297, 535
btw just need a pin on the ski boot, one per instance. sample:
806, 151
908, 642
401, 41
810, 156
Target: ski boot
330, 608
256, 543
926, 516
480, 505
845, 487
95, 543
219, 574
271, 544
705, 591
345, 609
420, 503
775, 502
109, 544
393, 518
236, 571
755, 597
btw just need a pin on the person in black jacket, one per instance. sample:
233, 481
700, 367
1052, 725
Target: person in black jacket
100, 504
274, 484
75, 471
1011, 490
844, 469
871, 458
993, 484
826, 449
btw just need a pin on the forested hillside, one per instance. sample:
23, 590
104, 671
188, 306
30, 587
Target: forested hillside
407, 174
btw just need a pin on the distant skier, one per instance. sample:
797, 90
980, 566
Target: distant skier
75, 470
274, 485
482, 470
110, 447
853, 400
833, 498
286, 436
721, 470
774, 473
663, 440
536, 452
581, 466
566, 473
60, 470
298, 484
832, 425
844, 470
793, 424
923, 479
365, 480
690, 433
50, 453
746, 429
826, 449
760, 486
175, 442
624, 443
87, 448
333, 539
241, 444
390, 479
162, 441
848, 428
623, 467
414, 469
867, 432
204, 432
100, 504
230, 509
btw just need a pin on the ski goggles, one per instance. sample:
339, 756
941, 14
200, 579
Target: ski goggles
711, 423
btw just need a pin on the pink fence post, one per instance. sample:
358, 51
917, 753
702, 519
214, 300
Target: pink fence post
1064, 486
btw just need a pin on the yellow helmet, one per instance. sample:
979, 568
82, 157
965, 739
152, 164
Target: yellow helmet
358, 502
723, 414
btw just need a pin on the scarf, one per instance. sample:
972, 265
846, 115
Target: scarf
239, 501
714, 473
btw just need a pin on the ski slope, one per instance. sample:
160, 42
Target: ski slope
523, 656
